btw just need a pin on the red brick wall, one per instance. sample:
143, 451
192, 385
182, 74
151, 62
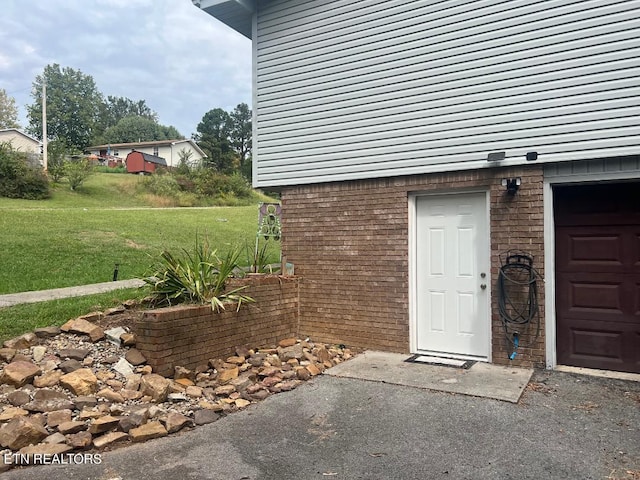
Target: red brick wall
189, 336
349, 244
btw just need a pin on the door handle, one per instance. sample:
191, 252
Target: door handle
483, 286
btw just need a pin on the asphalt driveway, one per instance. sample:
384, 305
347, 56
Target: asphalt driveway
564, 427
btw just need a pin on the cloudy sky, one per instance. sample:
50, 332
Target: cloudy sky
177, 58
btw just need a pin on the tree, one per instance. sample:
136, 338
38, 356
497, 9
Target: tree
57, 152
213, 138
8, 111
241, 135
114, 109
73, 106
139, 129
77, 171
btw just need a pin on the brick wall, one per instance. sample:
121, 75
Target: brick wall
189, 336
349, 244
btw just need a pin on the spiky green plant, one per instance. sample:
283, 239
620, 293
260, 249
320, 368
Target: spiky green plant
200, 276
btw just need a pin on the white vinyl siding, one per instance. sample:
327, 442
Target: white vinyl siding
359, 89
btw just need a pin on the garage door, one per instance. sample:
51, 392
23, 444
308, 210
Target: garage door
597, 234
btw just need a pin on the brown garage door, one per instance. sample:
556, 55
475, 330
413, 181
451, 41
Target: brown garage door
597, 229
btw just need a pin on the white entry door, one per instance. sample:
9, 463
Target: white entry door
452, 275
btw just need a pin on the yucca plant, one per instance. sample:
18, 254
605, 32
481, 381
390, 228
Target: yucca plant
200, 276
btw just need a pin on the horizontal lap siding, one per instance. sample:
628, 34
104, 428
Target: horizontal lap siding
349, 90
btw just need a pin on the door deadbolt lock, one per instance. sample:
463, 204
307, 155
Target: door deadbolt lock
483, 275
483, 286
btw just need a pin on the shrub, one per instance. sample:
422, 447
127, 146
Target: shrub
199, 276
162, 185
77, 171
18, 179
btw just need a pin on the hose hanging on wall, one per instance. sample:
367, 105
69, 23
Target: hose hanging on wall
518, 296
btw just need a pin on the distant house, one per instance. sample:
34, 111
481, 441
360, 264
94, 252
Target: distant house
425, 150
140, 162
24, 143
170, 150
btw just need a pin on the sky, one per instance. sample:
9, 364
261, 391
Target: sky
176, 57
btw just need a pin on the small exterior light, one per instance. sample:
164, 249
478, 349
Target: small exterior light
532, 156
511, 184
496, 156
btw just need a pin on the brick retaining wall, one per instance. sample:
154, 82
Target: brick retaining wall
190, 335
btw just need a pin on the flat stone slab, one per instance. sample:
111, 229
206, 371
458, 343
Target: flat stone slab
481, 380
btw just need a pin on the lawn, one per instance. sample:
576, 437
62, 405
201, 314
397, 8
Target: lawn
76, 238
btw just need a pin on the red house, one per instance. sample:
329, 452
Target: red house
139, 162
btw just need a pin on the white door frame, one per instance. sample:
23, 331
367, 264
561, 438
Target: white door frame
413, 274
550, 247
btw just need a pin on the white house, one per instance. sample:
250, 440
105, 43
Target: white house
22, 142
170, 150
421, 148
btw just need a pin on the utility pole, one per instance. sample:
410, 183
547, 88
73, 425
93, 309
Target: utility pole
44, 126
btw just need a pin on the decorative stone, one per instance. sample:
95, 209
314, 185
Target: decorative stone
71, 427
184, 382
22, 342
114, 310
103, 424
177, 397
80, 440
193, 391
313, 369
80, 382
10, 413
81, 325
269, 371
7, 354
237, 360
134, 357
147, 431
224, 390
183, 373
176, 421
21, 432
130, 394
256, 359
84, 401
70, 365
123, 367
113, 335
74, 353
48, 449
128, 339
55, 438
293, 352
38, 352
242, 403
45, 394
287, 342
47, 332
18, 398
57, 417
104, 375
202, 417
48, 405
87, 414
109, 439
110, 395
48, 379
156, 386
225, 376
19, 373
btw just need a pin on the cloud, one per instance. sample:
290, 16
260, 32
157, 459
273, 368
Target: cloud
179, 59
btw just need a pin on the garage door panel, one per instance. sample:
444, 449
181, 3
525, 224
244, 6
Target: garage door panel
597, 235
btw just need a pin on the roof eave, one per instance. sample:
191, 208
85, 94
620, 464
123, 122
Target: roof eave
237, 14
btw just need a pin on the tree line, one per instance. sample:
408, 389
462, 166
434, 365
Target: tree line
79, 115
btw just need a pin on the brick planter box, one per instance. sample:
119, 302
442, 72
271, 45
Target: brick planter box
189, 335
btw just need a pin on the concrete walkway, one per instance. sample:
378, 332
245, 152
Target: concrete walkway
56, 293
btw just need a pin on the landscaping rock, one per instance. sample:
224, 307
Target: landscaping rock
38, 352
182, 372
7, 354
123, 367
19, 373
73, 426
204, 416
110, 395
287, 342
18, 398
155, 386
134, 357
128, 339
292, 352
109, 439
113, 335
70, 365
148, 431
47, 332
48, 379
80, 382
83, 326
44, 449
176, 421
80, 440
74, 353
57, 417
55, 438
84, 401
22, 342
103, 424
10, 413
20, 432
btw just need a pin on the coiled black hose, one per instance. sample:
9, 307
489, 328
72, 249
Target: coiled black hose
518, 305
